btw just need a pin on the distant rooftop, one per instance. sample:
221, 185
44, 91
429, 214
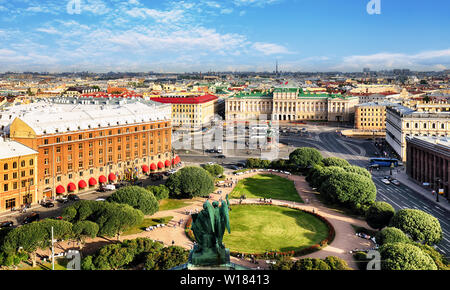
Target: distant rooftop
10, 149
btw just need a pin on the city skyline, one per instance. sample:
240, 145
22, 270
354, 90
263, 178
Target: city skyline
238, 35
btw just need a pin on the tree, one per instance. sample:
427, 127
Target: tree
336, 263
112, 218
137, 197
159, 191
402, 256
214, 169
419, 225
321, 174
349, 189
33, 236
166, 258
335, 161
190, 182
305, 157
112, 256
379, 214
358, 170
84, 229
391, 235
308, 264
285, 263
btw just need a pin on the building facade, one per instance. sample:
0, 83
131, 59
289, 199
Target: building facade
402, 122
82, 143
193, 112
371, 116
290, 104
429, 162
18, 175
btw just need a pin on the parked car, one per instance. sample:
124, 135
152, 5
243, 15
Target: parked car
73, 197
221, 156
6, 224
57, 217
48, 204
31, 218
63, 200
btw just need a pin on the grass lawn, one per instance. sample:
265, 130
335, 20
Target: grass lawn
146, 223
169, 203
260, 228
268, 186
60, 264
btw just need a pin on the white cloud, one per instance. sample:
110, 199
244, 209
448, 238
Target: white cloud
269, 48
226, 11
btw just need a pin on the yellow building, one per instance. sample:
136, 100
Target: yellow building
193, 112
18, 175
371, 116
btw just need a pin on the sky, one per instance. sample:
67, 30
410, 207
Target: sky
223, 35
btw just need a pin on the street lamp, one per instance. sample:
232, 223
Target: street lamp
438, 180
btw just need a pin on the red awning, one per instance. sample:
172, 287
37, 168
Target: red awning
71, 187
112, 177
153, 167
82, 184
160, 165
177, 160
92, 181
60, 189
144, 168
102, 179
167, 163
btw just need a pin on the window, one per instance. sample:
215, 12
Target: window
31, 162
69, 138
15, 185
69, 148
10, 203
5, 177
58, 178
22, 163
58, 149
31, 171
14, 175
45, 141
58, 140
46, 151
5, 187
80, 146
22, 173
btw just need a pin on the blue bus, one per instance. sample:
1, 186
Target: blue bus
383, 162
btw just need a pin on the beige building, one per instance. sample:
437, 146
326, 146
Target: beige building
402, 122
290, 104
371, 116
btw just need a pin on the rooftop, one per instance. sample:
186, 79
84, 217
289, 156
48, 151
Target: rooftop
186, 100
10, 149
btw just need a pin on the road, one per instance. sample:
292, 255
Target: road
357, 152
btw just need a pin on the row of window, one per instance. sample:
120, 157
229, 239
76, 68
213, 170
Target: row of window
23, 163
424, 125
14, 174
15, 185
101, 133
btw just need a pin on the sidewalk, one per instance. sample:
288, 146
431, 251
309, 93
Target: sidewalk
404, 179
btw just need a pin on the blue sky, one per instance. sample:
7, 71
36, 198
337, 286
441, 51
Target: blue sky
236, 35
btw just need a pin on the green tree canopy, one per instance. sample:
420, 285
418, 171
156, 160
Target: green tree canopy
379, 214
137, 197
190, 182
305, 157
402, 256
335, 161
166, 258
308, 264
159, 191
419, 225
214, 169
391, 235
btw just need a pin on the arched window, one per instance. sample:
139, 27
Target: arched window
5, 166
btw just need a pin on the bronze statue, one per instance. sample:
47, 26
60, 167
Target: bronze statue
209, 227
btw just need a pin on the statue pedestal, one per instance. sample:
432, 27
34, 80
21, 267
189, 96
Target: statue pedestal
209, 257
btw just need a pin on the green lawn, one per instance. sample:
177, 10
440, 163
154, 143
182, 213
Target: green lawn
260, 228
60, 264
146, 223
169, 203
268, 186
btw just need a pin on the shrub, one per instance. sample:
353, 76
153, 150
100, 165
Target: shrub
358, 170
308, 264
349, 189
335, 161
137, 197
305, 157
190, 182
440, 261
284, 263
391, 235
159, 191
379, 214
402, 256
112, 256
419, 225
